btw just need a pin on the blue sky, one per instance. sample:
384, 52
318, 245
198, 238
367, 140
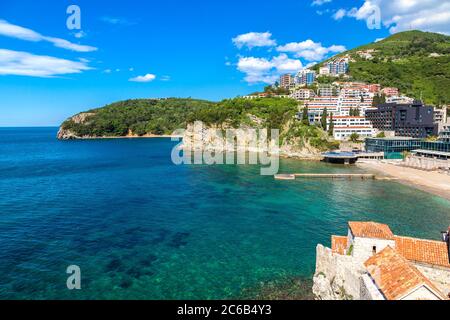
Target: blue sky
141, 49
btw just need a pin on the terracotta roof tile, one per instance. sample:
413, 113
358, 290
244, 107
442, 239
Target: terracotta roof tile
371, 230
426, 251
395, 276
338, 244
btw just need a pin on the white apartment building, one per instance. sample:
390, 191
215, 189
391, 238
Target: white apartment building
326, 91
324, 71
302, 94
339, 106
399, 100
345, 126
440, 115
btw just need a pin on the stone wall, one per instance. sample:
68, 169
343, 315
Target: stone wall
369, 290
337, 277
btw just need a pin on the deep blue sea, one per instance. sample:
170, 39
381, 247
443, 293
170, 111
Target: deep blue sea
140, 227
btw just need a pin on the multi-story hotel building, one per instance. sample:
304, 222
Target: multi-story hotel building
345, 126
326, 91
338, 66
440, 115
302, 94
305, 76
324, 71
339, 105
409, 120
287, 81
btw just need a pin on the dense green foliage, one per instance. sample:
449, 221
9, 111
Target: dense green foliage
141, 116
158, 117
418, 63
273, 112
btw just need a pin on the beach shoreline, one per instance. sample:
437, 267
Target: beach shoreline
429, 181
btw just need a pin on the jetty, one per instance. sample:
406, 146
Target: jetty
350, 176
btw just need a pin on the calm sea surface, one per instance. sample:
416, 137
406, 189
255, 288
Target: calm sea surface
140, 227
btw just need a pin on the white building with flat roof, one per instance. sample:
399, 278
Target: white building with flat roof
345, 126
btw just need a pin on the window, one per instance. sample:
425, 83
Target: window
374, 250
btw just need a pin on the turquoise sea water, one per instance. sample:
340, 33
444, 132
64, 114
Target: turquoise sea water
142, 228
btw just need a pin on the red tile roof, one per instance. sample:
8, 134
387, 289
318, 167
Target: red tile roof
395, 276
425, 251
371, 230
338, 244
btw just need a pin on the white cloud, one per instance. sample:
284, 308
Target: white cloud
320, 2
147, 78
338, 15
310, 50
27, 64
107, 71
261, 70
10, 30
254, 39
165, 78
402, 15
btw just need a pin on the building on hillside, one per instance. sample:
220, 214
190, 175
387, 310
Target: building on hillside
372, 263
410, 120
287, 81
366, 54
374, 88
399, 100
444, 132
326, 91
345, 126
440, 115
389, 91
338, 105
338, 66
357, 92
324, 71
305, 77
302, 94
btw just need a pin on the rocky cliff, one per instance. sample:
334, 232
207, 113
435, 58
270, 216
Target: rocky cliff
214, 138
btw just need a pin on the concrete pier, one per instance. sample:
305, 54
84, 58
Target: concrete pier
362, 176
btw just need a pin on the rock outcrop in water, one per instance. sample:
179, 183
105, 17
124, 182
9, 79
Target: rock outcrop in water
68, 134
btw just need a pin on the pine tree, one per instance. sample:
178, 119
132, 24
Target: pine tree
331, 127
305, 119
323, 119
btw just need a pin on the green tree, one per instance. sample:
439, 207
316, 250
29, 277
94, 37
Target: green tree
305, 119
331, 126
381, 135
323, 119
354, 137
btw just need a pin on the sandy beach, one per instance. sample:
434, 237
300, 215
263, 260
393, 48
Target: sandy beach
429, 181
